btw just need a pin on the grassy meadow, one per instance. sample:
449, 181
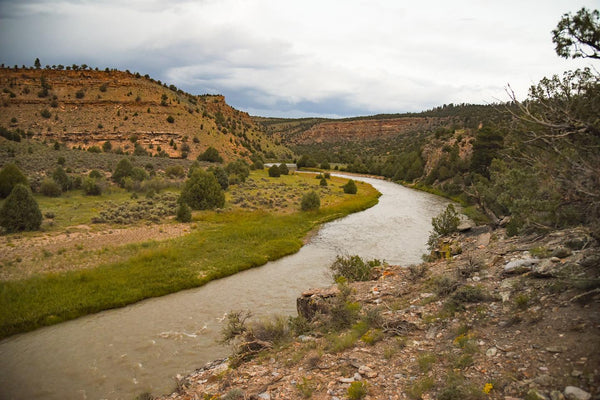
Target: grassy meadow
261, 222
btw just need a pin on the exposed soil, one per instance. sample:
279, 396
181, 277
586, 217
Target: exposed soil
25, 256
503, 318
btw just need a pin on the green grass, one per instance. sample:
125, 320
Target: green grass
222, 244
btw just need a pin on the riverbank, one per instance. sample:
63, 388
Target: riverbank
503, 318
218, 244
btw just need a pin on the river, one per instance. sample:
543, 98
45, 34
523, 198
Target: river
119, 354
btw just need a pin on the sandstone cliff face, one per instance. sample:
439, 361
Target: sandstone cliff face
86, 108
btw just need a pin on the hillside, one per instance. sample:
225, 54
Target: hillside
87, 108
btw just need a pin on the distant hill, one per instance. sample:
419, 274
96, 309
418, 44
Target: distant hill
86, 108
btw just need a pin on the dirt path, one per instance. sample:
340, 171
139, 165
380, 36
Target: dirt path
22, 257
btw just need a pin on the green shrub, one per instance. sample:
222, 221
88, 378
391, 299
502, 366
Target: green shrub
238, 171
175, 171
91, 187
323, 182
80, 94
170, 119
353, 268
350, 187
310, 201
123, 170
10, 176
446, 222
184, 213
95, 174
61, 178
221, 176
274, 171
283, 169
357, 391
50, 188
211, 155
202, 191
45, 113
20, 211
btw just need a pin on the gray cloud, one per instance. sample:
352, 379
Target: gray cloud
301, 58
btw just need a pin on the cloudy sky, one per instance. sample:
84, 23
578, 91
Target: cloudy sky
303, 58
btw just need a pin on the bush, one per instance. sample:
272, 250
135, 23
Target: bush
80, 94
10, 176
95, 174
446, 222
45, 113
323, 182
353, 268
238, 171
211, 155
175, 171
202, 191
310, 201
221, 176
91, 187
50, 188
357, 391
123, 170
350, 187
274, 171
20, 211
61, 178
283, 169
170, 119
184, 213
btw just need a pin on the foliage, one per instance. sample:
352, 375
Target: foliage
20, 211
323, 182
350, 187
91, 186
211, 155
123, 170
353, 268
357, 390
283, 169
221, 175
50, 188
175, 171
310, 201
238, 171
202, 191
184, 213
486, 146
10, 176
170, 119
306, 162
274, 171
578, 35
446, 222
61, 178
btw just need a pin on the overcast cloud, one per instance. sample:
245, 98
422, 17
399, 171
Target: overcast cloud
303, 58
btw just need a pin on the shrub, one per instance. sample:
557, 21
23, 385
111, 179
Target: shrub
274, 171
80, 94
184, 213
91, 187
211, 155
221, 176
238, 171
202, 191
45, 113
95, 174
310, 201
10, 176
357, 390
61, 160
353, 268
323, 182
170, 119
175, 171
106, 146
123, 170
283, 169
20, 211
350, 187
50, 188
446, 222
139, 174
61, 178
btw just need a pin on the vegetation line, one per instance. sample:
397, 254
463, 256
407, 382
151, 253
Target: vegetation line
220, 244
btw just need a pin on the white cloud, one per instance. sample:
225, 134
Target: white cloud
296, 56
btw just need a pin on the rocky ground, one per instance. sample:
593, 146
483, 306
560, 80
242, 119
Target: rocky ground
498, 318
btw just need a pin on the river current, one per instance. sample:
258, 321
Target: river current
119, 354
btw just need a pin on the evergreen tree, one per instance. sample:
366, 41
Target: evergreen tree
10, 176
20, 211
202, 191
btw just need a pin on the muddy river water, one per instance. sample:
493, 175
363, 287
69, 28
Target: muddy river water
119, 354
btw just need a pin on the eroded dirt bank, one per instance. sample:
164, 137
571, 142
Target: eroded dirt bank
505, 318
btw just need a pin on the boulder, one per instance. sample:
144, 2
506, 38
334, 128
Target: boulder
574, 393
315, 301
518, 267
562, 252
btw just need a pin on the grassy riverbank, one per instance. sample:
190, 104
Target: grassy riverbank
219, 244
